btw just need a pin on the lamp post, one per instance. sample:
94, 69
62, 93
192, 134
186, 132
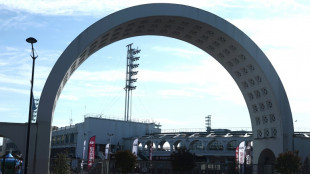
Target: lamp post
30, 40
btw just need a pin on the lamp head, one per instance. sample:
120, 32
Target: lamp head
31, 40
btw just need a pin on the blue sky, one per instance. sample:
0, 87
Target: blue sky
173, 87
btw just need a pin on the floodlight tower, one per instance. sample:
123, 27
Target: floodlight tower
130, 80
208, 123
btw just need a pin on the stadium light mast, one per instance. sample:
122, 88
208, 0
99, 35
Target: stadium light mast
208, 123
130, 80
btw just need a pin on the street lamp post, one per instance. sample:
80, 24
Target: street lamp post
30, 40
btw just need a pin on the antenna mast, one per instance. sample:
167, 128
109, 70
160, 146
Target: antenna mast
129, 86
71, 120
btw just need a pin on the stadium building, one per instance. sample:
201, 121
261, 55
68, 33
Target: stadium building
215, 146
71, 138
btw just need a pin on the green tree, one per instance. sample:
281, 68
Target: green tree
182, 161
61, 164
125, 161
288, 163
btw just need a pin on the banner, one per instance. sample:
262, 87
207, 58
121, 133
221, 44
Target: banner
34, 109
91, 151
237, 158
241, 152
84, 147
237, 155
151, 151
33, 104
135, 147
248, 152
107, 149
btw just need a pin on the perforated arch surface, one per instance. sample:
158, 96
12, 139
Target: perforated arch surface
258, 81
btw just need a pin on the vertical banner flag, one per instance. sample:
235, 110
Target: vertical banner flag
241, 152
237, 155
33, 104
91, 151
34, 108
135, 147
84, 147
151, 151
107, 148
248, 153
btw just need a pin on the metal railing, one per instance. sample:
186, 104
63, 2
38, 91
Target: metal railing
164, 167
204, 130
113, 117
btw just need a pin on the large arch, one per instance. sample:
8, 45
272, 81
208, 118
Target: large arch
258, 81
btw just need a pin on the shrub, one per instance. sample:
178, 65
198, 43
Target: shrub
288, 163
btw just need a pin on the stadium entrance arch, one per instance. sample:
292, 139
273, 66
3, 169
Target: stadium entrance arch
258, 81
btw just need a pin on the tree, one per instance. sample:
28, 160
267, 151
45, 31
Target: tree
182, 161
125, 161
61, 164
288, 163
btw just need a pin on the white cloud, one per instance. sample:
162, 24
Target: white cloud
198, 75
63, 7
3, 63
11, 49
12, 80
100, 7
72, 90
180, 52
222, 92
6, 109
277, 32
69, 97
173, 92
171, 123
300, 106
207, 77
285, 42
15, 90
19, 21
173, 77
112, 75
12, 22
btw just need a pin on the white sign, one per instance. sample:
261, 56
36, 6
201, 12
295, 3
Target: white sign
241, 152
107, 148
135, 147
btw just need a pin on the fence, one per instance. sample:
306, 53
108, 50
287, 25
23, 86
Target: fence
164, 167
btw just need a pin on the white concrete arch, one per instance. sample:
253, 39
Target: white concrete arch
17, 132
258, 81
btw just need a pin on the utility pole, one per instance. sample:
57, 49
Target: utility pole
130, 80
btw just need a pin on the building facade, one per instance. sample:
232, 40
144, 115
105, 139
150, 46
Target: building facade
71, 138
